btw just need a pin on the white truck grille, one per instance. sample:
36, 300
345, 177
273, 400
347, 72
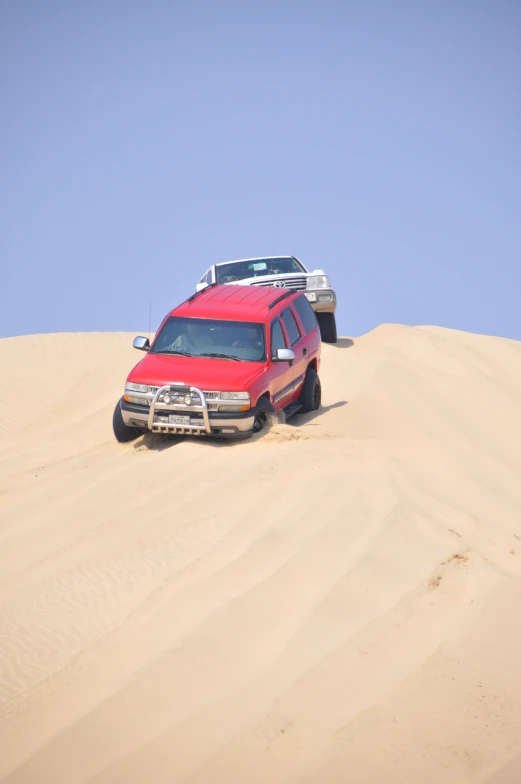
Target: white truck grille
298, 284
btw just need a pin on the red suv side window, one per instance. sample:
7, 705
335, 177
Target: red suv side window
291, 325
305, 313
277, 338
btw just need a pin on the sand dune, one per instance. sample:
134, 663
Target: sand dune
337, 600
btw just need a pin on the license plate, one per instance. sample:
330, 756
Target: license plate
311, 296
174, 419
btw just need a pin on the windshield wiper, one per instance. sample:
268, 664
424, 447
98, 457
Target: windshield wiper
215, 355
180, 351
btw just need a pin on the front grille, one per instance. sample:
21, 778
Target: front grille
179, 390
298, 284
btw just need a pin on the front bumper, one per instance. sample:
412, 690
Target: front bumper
197, 419
321, 300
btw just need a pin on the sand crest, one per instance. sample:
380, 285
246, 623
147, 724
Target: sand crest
336, 600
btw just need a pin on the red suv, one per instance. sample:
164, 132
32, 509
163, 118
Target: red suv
221, 363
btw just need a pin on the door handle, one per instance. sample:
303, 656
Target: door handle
304, 351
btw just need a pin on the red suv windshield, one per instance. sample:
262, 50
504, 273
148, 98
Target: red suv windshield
234, 340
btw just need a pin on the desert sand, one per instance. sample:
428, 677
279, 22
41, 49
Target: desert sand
336, 600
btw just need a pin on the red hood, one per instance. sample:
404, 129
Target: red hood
210, 374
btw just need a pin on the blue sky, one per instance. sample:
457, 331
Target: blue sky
142, 142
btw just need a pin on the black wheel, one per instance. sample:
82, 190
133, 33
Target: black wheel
122, 431
265, 412
327, 324
311, 395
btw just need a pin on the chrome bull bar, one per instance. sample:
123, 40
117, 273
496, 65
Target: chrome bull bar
179, 390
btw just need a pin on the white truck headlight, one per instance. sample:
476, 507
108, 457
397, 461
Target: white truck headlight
318, 282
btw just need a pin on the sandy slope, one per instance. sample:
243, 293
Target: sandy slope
336, 601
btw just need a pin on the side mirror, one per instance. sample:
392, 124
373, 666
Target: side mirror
318, 272
200, 287
141, 343
285, 355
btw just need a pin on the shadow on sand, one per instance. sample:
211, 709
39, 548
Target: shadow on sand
342, 343
304, 419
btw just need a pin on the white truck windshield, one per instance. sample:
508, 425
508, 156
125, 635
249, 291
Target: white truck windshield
239, 270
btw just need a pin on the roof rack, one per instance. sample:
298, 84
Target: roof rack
193, 296
282, 296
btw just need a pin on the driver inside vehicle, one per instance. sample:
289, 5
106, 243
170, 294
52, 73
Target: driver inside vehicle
194, 336
248, 339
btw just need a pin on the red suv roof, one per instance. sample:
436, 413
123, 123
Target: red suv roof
241, 303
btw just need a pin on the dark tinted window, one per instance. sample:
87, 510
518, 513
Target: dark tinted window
239, 270
277, 338
291, 326
197, 337
305, 313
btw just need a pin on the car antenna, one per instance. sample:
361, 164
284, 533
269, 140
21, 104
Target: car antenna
149, 318
275, 240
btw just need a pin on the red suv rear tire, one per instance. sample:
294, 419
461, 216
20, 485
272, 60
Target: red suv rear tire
311, 395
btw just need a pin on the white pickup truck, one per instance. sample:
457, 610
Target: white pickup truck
281, 272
